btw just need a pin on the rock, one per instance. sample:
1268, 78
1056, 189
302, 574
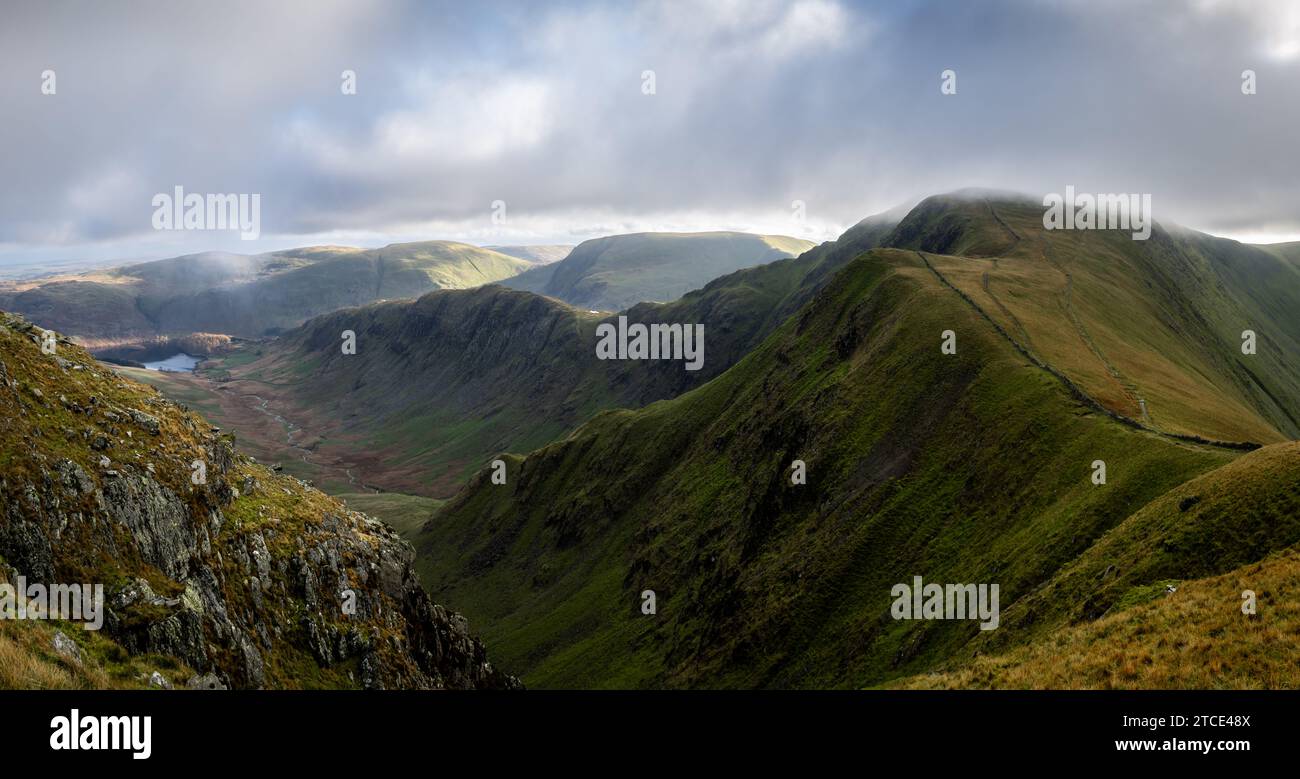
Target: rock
205, 682
232, 597
145, 421
73, 477
67, 648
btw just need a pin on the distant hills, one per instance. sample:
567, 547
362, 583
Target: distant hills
972, 467
132, 310
441, 384
540, 254
1073, 348
612, 273
1150, 331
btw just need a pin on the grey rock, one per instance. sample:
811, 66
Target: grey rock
207, 681
67, 648
145, 421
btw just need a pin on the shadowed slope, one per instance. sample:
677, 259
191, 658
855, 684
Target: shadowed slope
960, 468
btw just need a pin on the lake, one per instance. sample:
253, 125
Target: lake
177, 363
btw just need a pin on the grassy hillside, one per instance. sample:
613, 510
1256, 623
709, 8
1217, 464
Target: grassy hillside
404, 513
539, 254
1196, 637
1151, 329
210, 562
613, 273
971, 467
441, 385
126, 310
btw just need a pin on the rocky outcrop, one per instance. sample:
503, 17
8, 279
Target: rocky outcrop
248, 577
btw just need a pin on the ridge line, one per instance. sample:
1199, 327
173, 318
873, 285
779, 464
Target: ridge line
1075, 389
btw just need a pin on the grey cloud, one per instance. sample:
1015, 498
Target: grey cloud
757, 104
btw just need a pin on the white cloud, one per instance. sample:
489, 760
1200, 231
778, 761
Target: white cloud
1275, 23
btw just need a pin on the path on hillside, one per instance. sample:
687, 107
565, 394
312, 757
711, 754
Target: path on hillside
1015, 241
1074, 389
1015, 236
1126, 384
1015, 320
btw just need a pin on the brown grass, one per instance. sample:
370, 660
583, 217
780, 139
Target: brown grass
28, 662
1194, 638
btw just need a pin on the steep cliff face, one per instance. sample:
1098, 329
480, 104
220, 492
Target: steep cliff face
222, 567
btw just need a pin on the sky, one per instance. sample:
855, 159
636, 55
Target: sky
756, 106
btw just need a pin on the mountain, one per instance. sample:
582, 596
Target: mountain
217, 571
440, 385
133, 312
540, 254
613, 273
1150, 329
1072, 347
966, 467
1173, 618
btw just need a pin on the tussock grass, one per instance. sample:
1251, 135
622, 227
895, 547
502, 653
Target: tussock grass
1194, 638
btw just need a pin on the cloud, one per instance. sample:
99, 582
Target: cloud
757, 103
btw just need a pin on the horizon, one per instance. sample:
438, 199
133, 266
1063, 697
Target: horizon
585, 120
22, 271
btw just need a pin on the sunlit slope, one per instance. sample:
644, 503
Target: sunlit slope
1195, 638
440, 385
612, 273
1151, 329
1229, 517
971, 467
247, 296
210, 562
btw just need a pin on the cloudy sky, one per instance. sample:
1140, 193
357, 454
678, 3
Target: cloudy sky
543, 106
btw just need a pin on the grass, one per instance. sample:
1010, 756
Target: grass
1197, 637
48, 417
972, 468
405, 513
1156, 321
614, 273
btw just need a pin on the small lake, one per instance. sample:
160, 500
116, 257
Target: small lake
177, 363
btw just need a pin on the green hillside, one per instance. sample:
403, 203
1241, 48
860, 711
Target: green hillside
613, 273
538, 254
440, 385
1150, 329
215, 569
964, 468
130, 311
1195, 637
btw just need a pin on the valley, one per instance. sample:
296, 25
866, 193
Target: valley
969, 462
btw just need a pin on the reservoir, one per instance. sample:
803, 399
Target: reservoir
177, 363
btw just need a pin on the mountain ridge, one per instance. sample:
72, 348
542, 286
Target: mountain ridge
213, 565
